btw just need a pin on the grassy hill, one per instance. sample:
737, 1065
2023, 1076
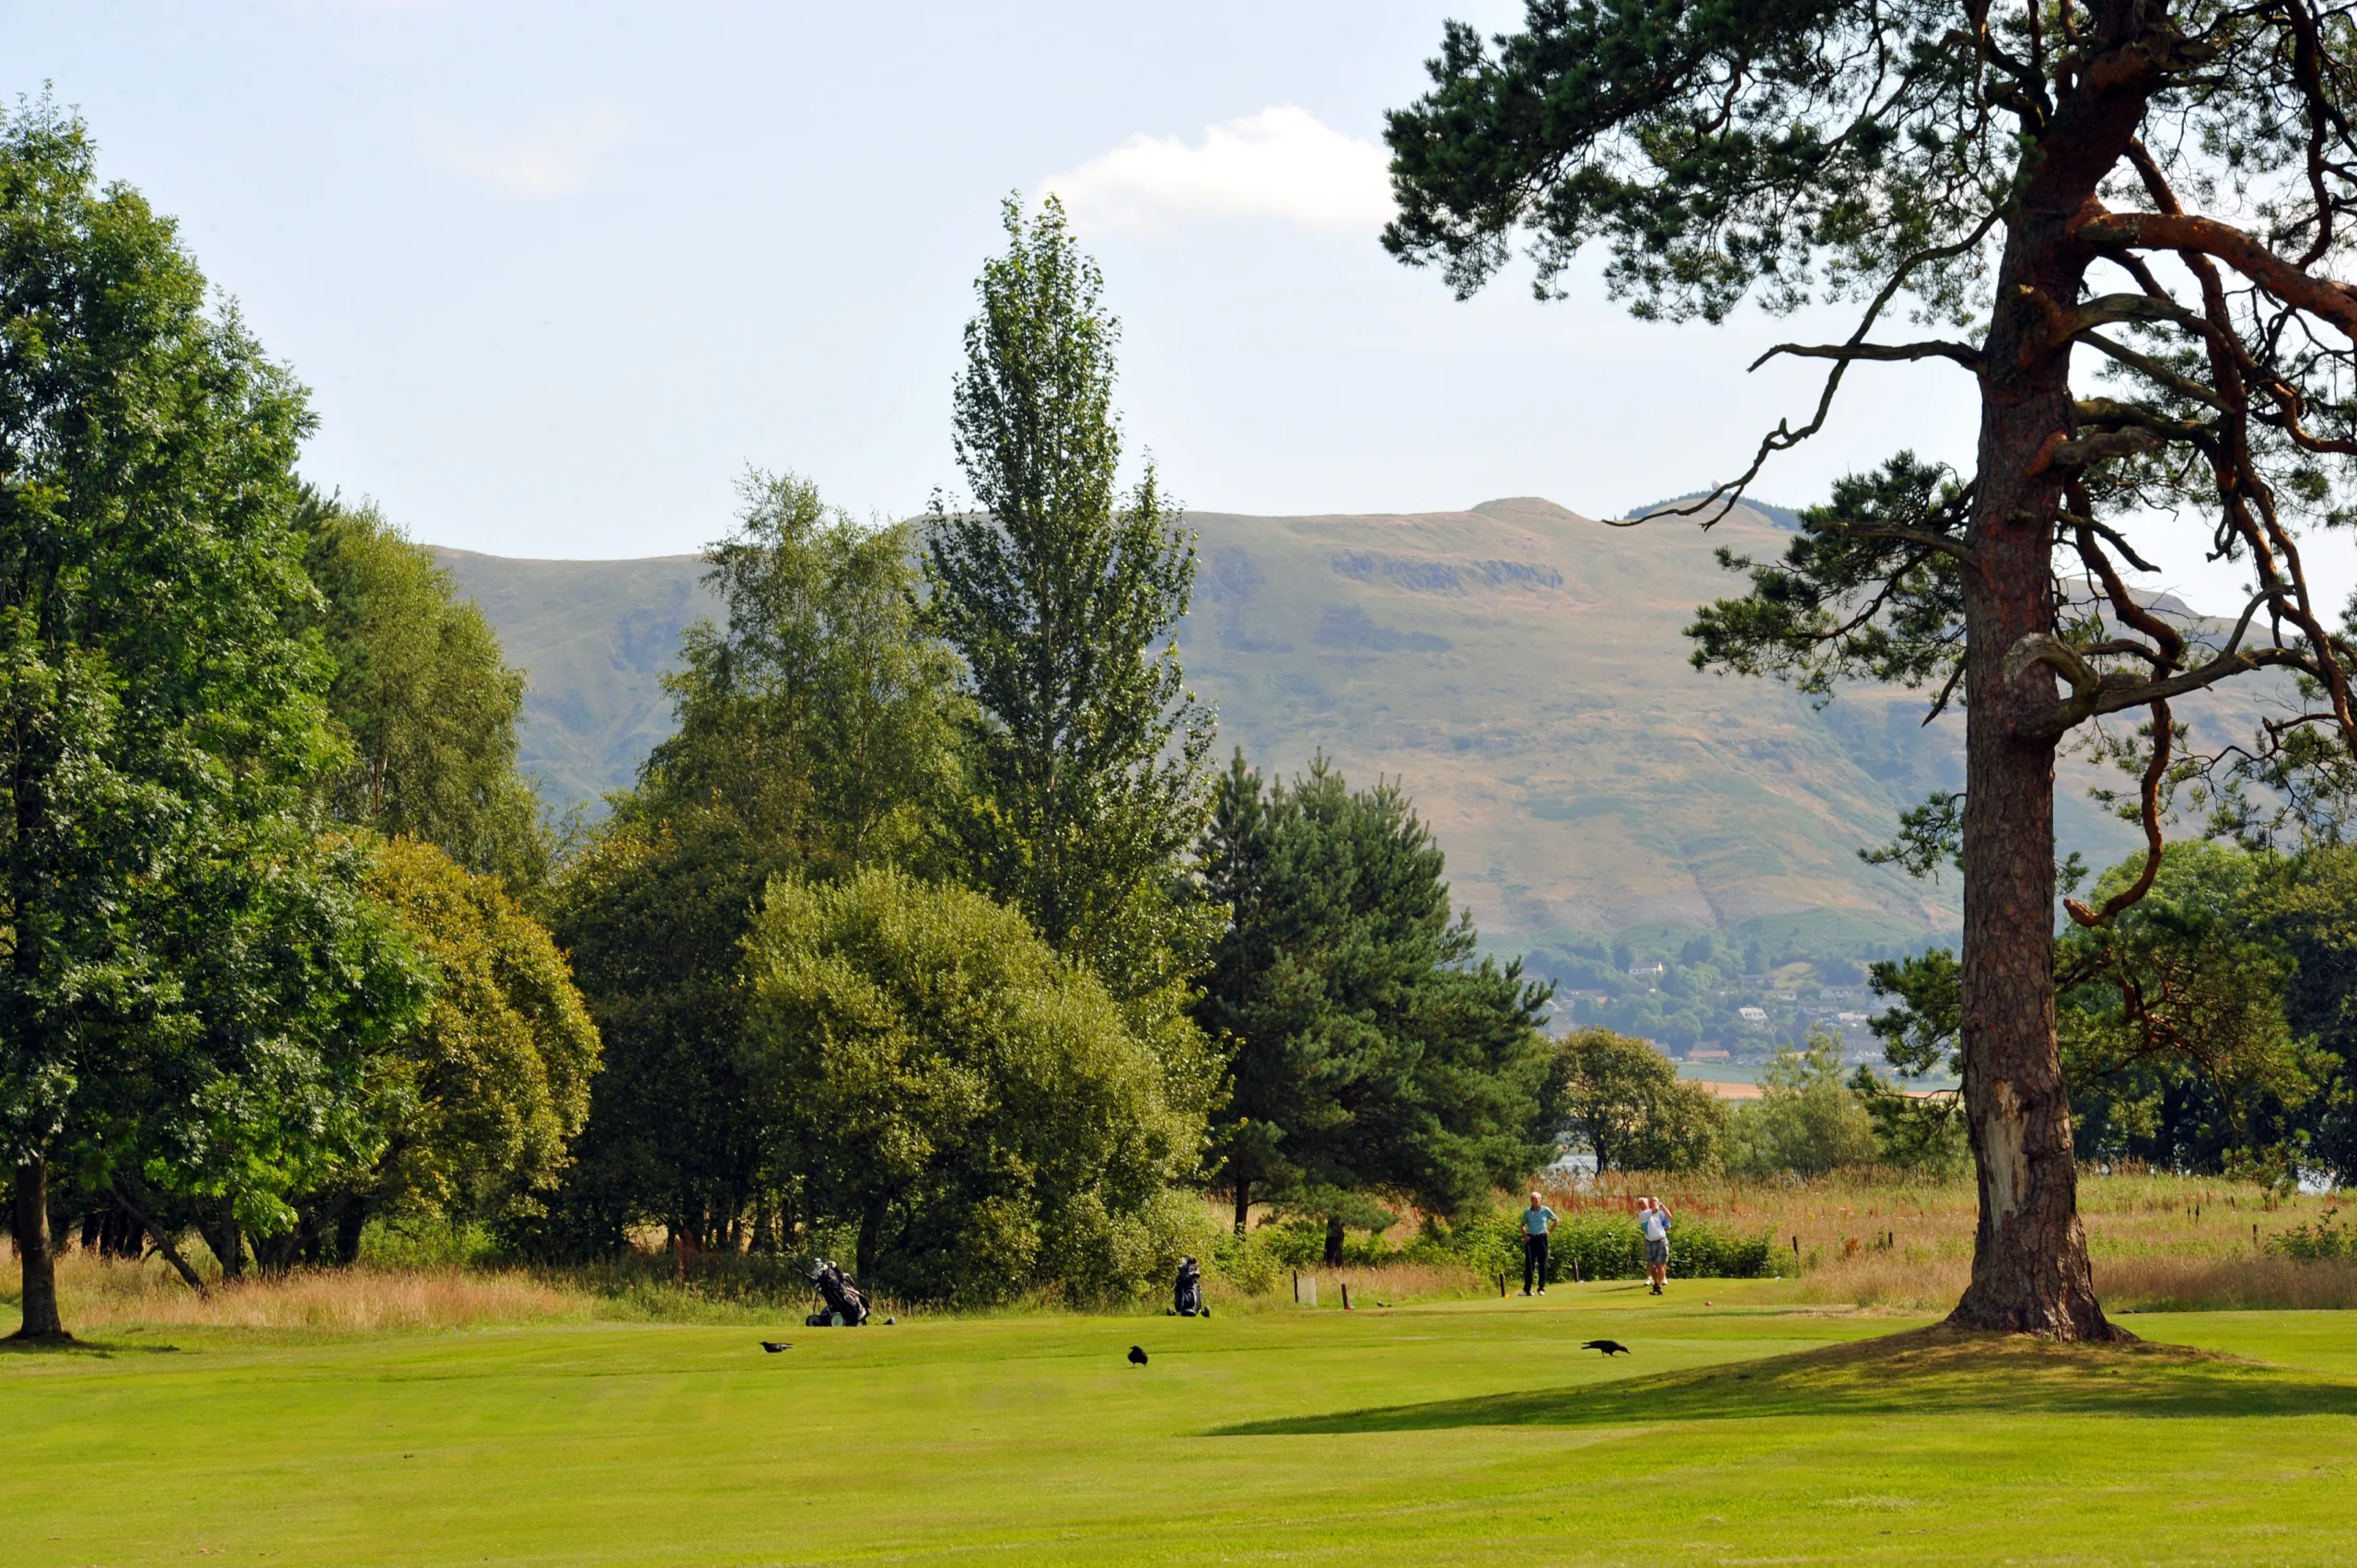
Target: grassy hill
1519, 668
596, 637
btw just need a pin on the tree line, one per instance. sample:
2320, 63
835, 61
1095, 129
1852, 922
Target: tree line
929, 936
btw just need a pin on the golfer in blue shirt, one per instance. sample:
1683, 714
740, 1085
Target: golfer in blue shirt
1537, 1221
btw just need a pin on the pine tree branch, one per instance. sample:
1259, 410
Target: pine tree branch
1938, 348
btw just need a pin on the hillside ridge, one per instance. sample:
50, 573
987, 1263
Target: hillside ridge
1518, 667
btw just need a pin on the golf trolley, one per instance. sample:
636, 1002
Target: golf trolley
1187, 1295
846, 1306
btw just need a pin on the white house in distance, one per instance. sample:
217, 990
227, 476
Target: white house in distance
1752, 1014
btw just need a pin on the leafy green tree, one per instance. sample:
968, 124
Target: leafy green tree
1062, 596
976, 1106
816, 734
1986, 166
822, 714
190, 987
1806, 1120
425, 699
475, 1105
2307, 903
654, 915
2175, 1034
1370, 1057
1623, 1100
1915, 1129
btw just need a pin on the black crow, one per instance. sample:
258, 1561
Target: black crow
774, 1347
1137, 1356
1609, 1347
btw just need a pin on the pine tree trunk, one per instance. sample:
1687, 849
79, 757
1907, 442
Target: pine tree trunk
1242, 1206
35, 1257
2029, 1264
1333, 1241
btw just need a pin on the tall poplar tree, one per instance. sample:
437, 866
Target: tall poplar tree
1062, 593
2027, 173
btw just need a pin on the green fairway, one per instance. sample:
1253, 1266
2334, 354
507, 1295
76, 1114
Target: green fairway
1460, 1432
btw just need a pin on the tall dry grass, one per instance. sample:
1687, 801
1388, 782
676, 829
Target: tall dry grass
1860, 1238
1876, 1239
96, 1294
100, 1295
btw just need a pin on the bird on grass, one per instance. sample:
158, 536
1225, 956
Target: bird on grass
1609, 1347
1137, 1356
774, 1346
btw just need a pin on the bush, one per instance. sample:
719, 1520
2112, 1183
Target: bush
976, 1107
1807, 1122
1248, 1261
2328, 1238
1301, 1244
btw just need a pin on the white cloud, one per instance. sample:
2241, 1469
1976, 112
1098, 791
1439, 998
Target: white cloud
1283, 163
551, 154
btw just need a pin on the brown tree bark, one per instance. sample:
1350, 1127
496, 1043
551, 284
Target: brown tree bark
2029, 1265
37, 1258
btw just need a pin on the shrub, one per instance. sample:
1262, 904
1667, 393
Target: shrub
978, 1107
1807, 1122
1248, 1261
2328, 1238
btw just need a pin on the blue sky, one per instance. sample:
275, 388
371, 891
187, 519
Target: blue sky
558, 272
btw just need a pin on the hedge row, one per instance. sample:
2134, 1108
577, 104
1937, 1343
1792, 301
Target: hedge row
1611, 1247
1602, 1246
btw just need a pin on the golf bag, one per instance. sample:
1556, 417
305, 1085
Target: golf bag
846, 1306
1187, 1298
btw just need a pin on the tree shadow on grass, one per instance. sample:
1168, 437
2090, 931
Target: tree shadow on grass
1928, 1372
103, 1349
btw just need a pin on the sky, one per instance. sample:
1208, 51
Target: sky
559, 275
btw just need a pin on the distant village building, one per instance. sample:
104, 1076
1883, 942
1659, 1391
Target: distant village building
1644, 972
1752, 1014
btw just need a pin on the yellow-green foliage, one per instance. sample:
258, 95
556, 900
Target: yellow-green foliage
1807, 1121
487, 1092
975, 1105
425, 695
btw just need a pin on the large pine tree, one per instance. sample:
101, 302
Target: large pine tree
2025, 171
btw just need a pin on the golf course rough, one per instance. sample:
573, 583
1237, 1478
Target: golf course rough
1460, 1432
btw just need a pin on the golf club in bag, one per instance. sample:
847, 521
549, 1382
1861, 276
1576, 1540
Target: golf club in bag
846, 1306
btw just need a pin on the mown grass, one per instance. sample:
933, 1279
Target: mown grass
1753, 1429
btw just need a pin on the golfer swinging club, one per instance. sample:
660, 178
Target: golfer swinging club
1654, 1220
1537, 1221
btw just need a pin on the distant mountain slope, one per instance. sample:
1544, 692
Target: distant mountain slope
596, 637
1519, 667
